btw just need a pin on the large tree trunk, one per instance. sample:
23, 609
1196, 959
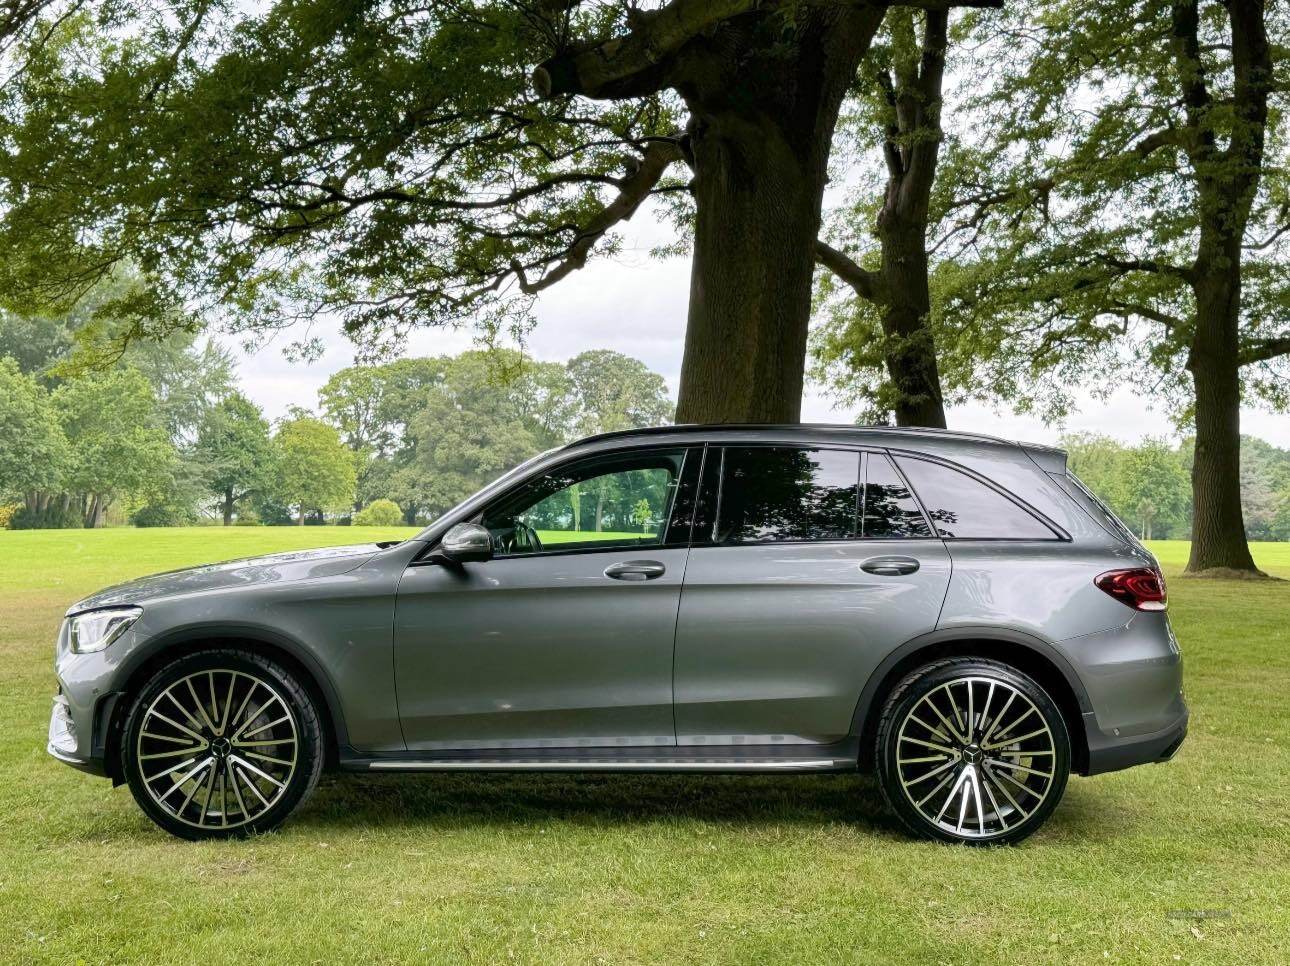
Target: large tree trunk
1218, 527
911, 352
1227, 182
228, 507
763, 113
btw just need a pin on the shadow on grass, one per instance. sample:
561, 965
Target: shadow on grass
456, 802
502, 799
477, 802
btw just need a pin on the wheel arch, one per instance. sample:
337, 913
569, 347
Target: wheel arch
292, 655
1027, 653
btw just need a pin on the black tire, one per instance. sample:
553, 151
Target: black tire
1010, 791
257, 681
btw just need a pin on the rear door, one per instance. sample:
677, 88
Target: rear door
809, 564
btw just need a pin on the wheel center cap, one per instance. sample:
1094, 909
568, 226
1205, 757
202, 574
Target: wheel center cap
973, 754
221, 747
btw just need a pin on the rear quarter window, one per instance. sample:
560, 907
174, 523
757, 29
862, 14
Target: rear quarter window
962, 507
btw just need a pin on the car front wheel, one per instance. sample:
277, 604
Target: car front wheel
971, 750
221, 743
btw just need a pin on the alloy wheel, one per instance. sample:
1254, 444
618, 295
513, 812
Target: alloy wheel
975, 757
217, 748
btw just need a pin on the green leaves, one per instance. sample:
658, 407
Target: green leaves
315, 470
385, 163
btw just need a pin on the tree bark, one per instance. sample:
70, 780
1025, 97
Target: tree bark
1218, 525
911, 352
763, 115
228, 507
901, 288
1227, 181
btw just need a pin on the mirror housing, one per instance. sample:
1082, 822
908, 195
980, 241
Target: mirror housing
467, 543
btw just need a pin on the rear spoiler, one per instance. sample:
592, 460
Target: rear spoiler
1050, 459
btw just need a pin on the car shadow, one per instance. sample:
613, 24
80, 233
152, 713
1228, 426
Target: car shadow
466, 801
451, 802
472, 800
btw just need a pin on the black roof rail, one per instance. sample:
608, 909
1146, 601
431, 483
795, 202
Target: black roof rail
788, 427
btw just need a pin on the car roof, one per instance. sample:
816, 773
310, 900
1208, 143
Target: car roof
1049, 458
779, 430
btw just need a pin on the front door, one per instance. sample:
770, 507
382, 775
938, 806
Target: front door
808, 569
565, 638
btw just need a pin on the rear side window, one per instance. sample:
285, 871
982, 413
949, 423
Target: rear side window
890, 510
963, 507
772, 493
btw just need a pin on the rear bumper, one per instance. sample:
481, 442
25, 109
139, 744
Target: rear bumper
1111, 753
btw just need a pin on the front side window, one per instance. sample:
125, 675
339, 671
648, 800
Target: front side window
963, 507
622, 500
772, 493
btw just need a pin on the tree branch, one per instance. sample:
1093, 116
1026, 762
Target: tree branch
1185, 28
1263, 350
1166, 137
870, 286
634, 189
1145, 265
631, 65
1147, 312
635, 64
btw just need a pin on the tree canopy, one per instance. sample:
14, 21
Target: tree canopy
315, 470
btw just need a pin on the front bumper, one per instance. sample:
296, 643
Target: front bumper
1110, 753
64, 742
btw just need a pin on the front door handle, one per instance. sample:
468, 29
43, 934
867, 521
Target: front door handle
890, 566
635, 570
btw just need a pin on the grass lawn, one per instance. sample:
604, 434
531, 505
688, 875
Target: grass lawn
641, 869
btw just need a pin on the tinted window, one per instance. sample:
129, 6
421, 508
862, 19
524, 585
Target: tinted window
963, 507
619, 501
890, 510
777, 493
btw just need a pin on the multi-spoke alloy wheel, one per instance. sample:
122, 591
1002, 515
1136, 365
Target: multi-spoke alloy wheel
221, 748
972, 751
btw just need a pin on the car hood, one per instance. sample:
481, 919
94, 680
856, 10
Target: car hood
270, 569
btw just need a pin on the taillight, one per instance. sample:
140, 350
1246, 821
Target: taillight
1142, 588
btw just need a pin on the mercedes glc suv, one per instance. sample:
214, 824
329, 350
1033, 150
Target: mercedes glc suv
954, 613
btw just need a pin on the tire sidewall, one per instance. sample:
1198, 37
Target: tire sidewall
308, 730
914, 687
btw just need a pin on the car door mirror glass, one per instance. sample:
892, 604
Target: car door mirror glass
466, 543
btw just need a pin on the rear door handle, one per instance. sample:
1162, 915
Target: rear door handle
890, 566
635, 570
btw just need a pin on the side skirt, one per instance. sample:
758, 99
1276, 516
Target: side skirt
839, 757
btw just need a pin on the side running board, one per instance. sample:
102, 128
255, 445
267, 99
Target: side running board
622, 765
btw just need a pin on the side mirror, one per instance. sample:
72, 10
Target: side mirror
467, 543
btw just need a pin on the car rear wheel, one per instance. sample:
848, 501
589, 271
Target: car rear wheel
220, 744
971, 750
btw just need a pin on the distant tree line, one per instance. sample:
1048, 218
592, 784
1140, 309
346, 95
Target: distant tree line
1148, 484
163, 437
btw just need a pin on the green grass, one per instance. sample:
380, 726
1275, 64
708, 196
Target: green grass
552, 538
643, 869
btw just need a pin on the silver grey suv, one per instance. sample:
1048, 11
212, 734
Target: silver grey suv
955, 613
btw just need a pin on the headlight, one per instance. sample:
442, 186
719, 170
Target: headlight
96, 629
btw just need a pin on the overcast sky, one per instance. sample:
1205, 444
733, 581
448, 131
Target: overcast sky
636, 305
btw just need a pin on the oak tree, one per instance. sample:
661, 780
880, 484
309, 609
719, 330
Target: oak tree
1138, 220
396, 163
